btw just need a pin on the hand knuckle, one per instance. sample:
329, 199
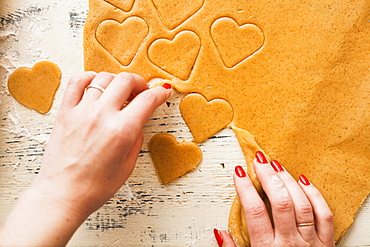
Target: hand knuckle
305, 209
283, 205
129, 77
125, 129
125, 75
75, 80
328, 217
104, 74
255, 210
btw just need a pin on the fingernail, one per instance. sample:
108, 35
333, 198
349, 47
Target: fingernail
276, 165
261, 157
167, 86
218, 237
304, 180
239, 171
132, 96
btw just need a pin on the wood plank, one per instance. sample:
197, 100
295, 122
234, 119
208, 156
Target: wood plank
143, 212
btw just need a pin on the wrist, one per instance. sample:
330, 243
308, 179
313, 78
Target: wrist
39, 219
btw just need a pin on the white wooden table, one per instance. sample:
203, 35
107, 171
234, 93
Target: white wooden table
143, 212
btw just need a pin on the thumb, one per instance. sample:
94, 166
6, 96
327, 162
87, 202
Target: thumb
145, 103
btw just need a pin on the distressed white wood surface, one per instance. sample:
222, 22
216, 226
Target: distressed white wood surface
143, 212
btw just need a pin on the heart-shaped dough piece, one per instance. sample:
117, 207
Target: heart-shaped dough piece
175, 12
176, 56
126, 45
236, 43
204, 118
125, 5
35, 87
171, 158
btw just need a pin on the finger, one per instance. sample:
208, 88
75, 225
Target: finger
121, 88
302, 206
101, 80
223, 238
323, 215
257, 218
76, 88
133, 155
143, 106
281, 202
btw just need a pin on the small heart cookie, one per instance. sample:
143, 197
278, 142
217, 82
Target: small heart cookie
204, 118
171, 158
35, 87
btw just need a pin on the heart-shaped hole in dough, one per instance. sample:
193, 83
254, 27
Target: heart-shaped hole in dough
176, 56
118, 40
236, 43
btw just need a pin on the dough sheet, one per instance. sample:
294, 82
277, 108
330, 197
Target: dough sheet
295, 73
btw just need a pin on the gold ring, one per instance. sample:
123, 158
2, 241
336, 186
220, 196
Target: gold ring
96, 86
306, 224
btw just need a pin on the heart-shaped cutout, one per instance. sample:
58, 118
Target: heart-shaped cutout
236, 43
175, 12
126, 45
125, 5
35, 87
173, 159
204, 118
176, 56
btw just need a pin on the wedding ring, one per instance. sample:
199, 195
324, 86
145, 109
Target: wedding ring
96, 86
306, 224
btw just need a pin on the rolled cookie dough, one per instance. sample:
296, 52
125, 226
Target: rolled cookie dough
300, 87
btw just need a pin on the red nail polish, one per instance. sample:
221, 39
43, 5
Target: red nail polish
218, 237
276, 165
239, 171
167, 86
261, 158
132, 96
304, 180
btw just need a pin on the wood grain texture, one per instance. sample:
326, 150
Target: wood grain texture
144, 212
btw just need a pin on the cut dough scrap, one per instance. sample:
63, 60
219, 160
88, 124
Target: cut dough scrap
237, 224
125, 5
249, 148
205, 118
236, 43
176, 56
171, 158
236, 229
175, 12
121, 33
35, 88
304, 94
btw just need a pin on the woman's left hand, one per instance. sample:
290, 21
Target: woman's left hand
92, 151
300, 214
